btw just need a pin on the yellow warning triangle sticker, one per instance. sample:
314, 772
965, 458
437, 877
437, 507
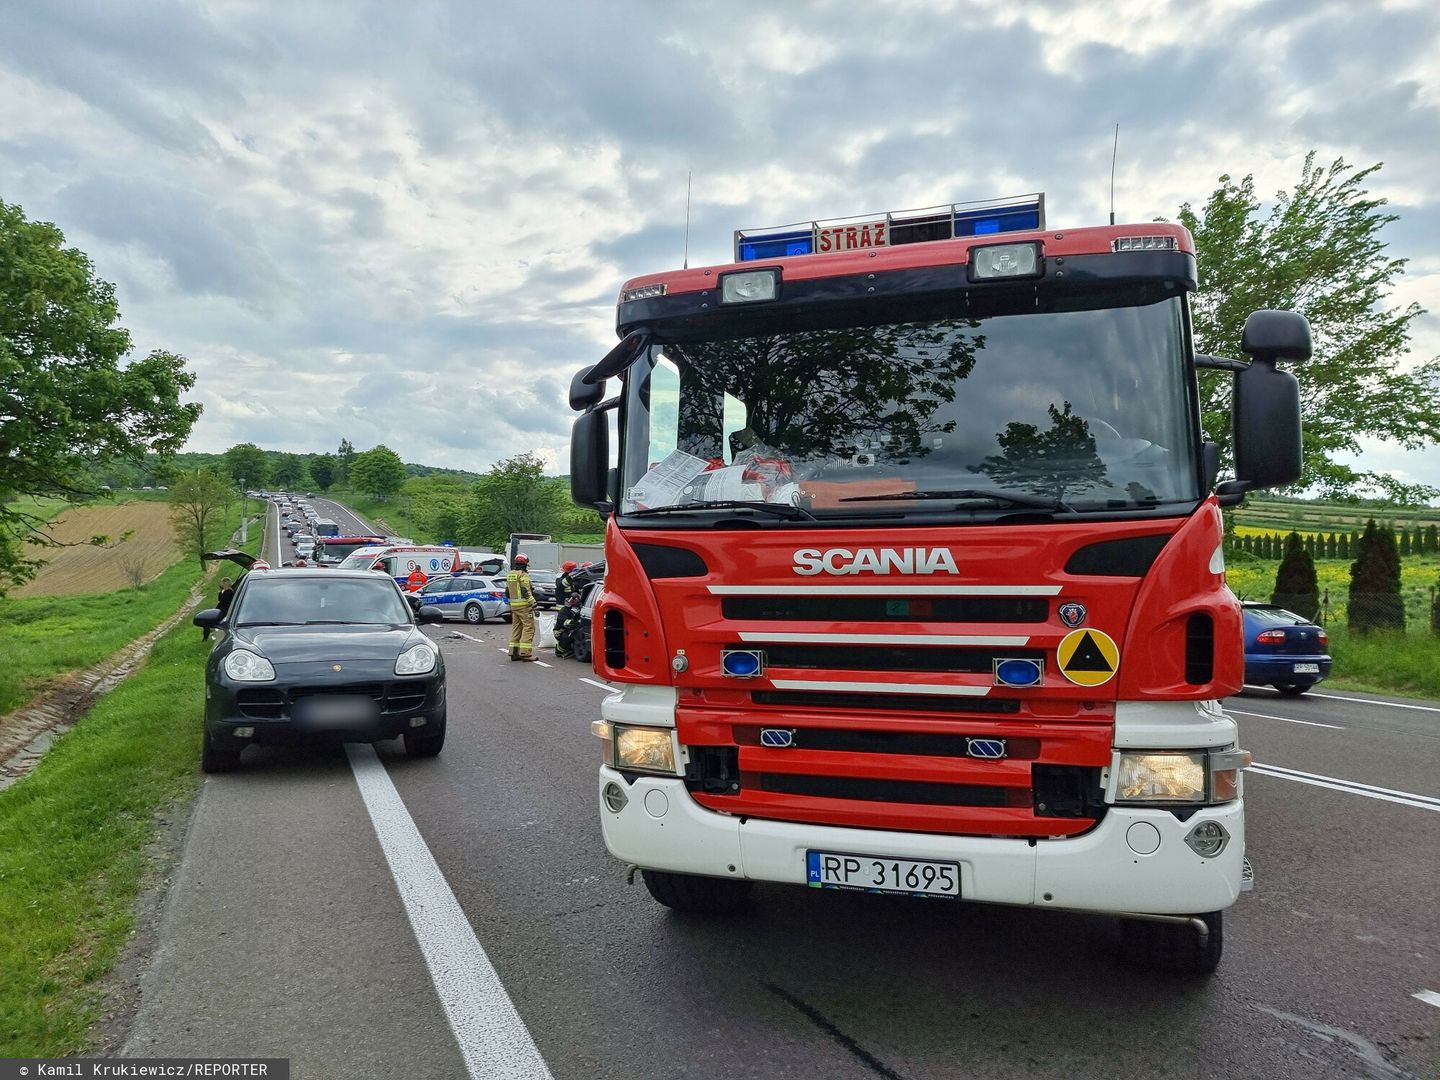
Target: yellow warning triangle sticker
1088, 657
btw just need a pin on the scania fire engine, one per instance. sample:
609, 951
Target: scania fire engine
914, 569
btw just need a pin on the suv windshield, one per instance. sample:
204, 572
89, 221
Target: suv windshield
287, 599
1071, 410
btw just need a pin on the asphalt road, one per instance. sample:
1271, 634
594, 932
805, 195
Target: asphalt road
305, 922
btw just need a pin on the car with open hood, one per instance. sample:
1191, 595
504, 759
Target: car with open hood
308, 655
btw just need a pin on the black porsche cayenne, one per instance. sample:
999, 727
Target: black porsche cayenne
319, 655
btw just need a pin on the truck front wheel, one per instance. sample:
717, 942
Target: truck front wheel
1174, 947
694, 894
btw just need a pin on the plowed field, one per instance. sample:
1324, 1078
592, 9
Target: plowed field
86, 569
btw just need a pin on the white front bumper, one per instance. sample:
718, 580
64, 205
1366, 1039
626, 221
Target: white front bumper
662, 828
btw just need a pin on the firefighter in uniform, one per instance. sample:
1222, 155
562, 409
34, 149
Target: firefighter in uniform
522, 610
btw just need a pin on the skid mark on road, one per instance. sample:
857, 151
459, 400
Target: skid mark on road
493, 1040
816, 1017
1363, 1048
1350, 787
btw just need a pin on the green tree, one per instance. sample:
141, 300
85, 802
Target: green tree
71, 396
1046, 462
1432, 540
513, 496
1296, 586
377, 472
1405, 545
290, 472
246, 463
1375, 600
198, 504
345, 456
322, 470
1319, 252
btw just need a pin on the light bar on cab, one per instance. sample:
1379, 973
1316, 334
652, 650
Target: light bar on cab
643, 292
946, 222
1144, 243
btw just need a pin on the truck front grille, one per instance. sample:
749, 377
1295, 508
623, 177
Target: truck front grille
819, 699
880, 609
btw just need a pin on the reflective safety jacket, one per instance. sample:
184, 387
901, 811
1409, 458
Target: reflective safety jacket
517, 586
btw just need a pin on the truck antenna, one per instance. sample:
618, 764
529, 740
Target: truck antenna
1114, 151
687, 222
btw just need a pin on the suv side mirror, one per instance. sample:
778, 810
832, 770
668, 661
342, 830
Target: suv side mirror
210, 617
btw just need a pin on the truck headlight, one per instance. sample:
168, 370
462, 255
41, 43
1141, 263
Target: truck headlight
643, 749
416, 660
1161, 778
245, 666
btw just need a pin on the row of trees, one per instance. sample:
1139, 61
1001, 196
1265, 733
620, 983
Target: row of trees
1375, 601
1417, 541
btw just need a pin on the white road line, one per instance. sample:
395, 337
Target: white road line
1372, 701
1430, 997
493, 1040
599, 685
1287, 719
542, 663
1350, 787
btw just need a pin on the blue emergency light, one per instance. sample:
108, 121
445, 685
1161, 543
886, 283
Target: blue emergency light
1018, 214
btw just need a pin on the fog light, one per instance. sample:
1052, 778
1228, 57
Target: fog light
1005, 261
417, 721
1207, 839
614, 796
749, 286
244, 732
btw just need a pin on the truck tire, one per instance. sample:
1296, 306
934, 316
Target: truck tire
694, 894
215, 760
1174, 947
474, 613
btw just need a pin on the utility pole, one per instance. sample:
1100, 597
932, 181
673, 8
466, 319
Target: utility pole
244, 520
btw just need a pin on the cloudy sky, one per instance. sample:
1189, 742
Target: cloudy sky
407, 222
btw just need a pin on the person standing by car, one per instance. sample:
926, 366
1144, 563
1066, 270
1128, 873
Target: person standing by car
522, 610
222, 601
416, 581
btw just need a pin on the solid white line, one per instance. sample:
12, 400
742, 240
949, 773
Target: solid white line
1287, 719
898, 589
493, 1040
601, 685
887, 639
1354, 784
1266, 771
1430, 997
1372, 701
946, 689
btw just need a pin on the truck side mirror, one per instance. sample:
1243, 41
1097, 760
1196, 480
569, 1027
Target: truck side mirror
1266, 424
1276, 335
590, 461
583, 394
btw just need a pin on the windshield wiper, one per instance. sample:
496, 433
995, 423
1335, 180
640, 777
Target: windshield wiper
242, 625
1035, 502
784, 510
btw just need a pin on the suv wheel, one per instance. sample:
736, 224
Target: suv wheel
214, 759
426, 741
474, 613
695, 894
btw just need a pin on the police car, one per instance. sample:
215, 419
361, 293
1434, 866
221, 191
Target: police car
464, 596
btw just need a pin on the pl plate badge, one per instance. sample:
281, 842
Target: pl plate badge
1072, 614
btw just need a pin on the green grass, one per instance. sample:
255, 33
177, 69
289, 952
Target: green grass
43, 636
72, 841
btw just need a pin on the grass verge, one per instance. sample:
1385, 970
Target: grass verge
72, 842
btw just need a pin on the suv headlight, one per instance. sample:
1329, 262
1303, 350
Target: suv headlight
245, 666
416, 660
1179, 777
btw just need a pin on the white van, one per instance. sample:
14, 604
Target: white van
403, 560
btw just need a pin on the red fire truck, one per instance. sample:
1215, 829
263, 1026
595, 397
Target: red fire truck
914, 578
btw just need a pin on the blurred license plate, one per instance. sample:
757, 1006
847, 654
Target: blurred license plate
338, 710
873, 873
1307, 669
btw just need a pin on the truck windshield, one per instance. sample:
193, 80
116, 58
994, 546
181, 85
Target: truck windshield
1055, 411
